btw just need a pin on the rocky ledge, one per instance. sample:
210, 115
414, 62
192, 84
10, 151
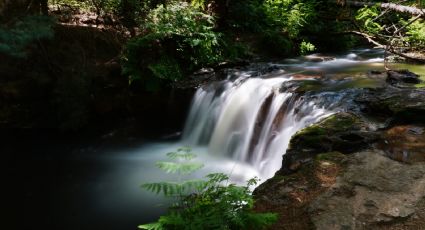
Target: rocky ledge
363, 169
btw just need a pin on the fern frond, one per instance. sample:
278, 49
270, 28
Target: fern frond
166, 188
180, 168
178, 155
185, 149
151, 226
197, 185
175, 188
217, 177
173, 221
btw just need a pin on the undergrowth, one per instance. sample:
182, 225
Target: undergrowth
211, 203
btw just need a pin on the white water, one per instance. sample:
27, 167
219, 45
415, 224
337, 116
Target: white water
240, 126
249, 121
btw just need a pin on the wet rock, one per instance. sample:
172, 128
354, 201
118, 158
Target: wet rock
319, 58
343, 132
382, 191
401, 105
290, 195
305, 76
397, 77
405, 143
231, 64
301, 86
203, 71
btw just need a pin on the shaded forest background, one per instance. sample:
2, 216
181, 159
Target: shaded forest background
70, 65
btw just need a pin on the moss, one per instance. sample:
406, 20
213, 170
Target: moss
319, 136
335, 123
335, 157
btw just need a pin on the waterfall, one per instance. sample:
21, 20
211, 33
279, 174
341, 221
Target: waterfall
249, 120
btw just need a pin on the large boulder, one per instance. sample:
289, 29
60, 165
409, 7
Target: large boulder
405, 105
401, 77
334, 191
342, 132
372, 193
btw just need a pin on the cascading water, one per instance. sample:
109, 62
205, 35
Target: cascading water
240, 126
250, 120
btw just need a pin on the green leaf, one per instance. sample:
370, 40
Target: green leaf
151, 226
179, 168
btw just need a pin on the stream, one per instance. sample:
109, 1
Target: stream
240, 126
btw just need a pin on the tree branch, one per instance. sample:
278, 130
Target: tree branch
369, 38
372, 40
392, 6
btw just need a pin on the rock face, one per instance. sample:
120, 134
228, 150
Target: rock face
404, 143
364, 190
398, 104
373, 190
398, 77
363, 169
342, 132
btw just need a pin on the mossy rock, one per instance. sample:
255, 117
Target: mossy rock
335, 157
336, 132
341, 132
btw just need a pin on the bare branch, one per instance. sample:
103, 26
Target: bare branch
392, 6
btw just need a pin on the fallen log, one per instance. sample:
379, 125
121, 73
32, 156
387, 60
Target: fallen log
391, 6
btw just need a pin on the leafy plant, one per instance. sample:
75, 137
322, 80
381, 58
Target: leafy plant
246, 15
306, 47
416, 33
367, 16
180, 35
205, 204
290, 15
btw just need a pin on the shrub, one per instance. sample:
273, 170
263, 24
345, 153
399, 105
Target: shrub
180, 39
366, 16
306, 47
291, 16
416, 34
205, 204
246, 15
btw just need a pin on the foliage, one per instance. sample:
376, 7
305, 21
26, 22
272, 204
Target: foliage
199, 3
246, 15
367, 16
290, 15
77, 4
205, 204
194, 28
15, 40
276, 43
401, 31
416, 34
179, 35
306, 47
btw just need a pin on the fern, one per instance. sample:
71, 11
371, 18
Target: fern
179, 168
205, 204
175, 188
151, 226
